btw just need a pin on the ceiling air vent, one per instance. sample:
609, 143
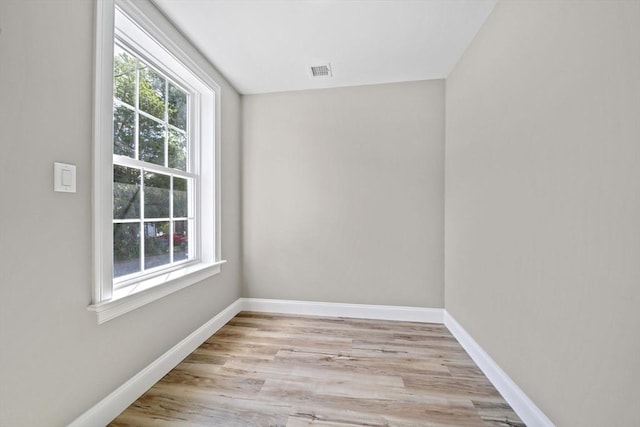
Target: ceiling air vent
323, 70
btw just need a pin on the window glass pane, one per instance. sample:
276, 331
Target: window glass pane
124, 76
180, 240
180, 198
151, 141
177, 150
156, 195
156, 244
177, 107
126, 192
124, 125
151, 92
126, 249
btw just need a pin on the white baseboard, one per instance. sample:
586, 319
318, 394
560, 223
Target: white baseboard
357, 311
528, 412
116, 402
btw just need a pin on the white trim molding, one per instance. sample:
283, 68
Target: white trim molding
140, 28
116, 402
133, 297
528, 412
120, 399
357, 311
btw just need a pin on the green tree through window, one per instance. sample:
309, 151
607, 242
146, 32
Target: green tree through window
150, 207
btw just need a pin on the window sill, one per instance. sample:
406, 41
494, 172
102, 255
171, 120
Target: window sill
127, 299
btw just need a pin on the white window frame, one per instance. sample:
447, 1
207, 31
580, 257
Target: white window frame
143, 21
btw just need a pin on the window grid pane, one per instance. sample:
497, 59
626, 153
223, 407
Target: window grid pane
126, 249
159, 204
157, 245
177, 108
124, 72
154, 112
124, 130
126, 192
152, 92
153, 218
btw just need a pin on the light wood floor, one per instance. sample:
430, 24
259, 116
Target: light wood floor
279, 370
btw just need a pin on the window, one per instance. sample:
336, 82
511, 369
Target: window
153, 183
156, 204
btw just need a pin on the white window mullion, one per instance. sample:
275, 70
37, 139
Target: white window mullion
171, 220
133, 163
126, 221
143, 231
136, 135
166, 122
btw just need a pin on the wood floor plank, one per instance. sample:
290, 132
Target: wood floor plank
264, 369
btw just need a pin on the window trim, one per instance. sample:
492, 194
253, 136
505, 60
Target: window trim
108, 302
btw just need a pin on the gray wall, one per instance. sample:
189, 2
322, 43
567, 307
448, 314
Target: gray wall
343, 194
55, 361
543, 203
343, 201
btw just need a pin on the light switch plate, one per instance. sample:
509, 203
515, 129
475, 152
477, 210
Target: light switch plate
64, 177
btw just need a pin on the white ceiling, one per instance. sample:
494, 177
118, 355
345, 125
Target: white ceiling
268, 45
